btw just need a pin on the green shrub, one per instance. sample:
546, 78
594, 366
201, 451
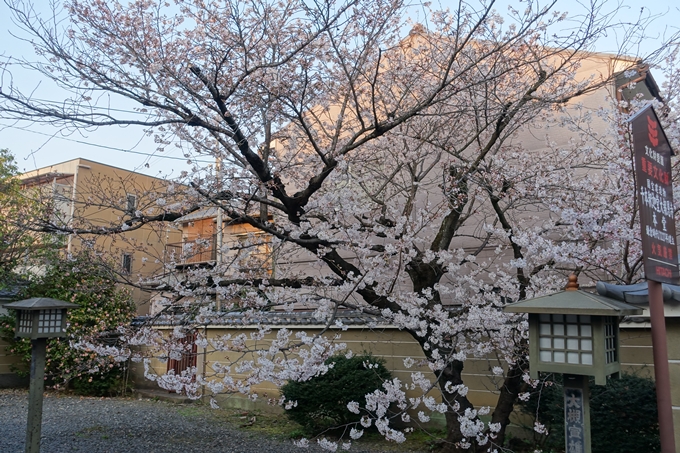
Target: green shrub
102, 308
623, 415
322, 401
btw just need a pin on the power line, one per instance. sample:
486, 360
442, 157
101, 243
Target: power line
91, 106
112, 148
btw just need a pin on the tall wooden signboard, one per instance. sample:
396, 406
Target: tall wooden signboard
659, 247
655, 197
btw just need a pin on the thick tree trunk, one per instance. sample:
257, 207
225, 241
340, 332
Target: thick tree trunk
453, 436
455, 441
513, 385
453, 373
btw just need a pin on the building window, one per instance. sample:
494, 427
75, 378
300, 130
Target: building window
131, 203
127, 263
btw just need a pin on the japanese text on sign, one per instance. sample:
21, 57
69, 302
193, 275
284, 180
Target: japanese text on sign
574, 419
655, 196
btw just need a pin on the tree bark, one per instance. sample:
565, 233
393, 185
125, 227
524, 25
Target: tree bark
513, 385
454, 436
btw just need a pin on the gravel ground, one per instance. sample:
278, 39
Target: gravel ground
111, 425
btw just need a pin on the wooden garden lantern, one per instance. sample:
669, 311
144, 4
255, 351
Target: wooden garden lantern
575, 333
38, 318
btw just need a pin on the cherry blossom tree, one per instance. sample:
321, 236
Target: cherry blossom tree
413, 170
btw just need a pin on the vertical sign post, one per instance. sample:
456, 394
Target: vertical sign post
659, 249
576, 414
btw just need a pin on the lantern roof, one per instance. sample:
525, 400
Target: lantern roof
573, 301
39, 303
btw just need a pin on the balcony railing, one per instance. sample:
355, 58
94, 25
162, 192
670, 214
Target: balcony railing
254, 259
200, 250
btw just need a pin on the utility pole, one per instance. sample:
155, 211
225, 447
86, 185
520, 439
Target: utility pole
218, 226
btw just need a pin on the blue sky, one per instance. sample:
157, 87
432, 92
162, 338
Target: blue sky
38, 146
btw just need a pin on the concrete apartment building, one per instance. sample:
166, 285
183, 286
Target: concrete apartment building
89, 196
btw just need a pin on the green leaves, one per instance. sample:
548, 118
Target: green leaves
16, 212
103, 307
623, 415
322, 401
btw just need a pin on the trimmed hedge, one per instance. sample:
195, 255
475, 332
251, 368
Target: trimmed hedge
322, 401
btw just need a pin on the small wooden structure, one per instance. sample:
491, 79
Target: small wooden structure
575, 333
38, 318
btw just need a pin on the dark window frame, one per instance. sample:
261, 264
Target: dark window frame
131, 203
126, 263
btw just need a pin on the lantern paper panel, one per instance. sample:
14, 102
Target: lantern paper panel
566, 339
49, 321
611, 340
24, 323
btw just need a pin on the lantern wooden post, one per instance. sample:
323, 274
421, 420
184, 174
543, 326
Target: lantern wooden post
35, 395
576, 413
662, 375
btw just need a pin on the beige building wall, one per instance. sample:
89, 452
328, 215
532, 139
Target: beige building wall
89, 195
388, 343
394, 345
533, 138
637, 358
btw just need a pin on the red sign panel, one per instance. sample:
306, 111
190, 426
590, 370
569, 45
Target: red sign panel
655, 197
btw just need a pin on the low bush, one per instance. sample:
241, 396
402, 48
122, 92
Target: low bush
623, 415
322, 401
